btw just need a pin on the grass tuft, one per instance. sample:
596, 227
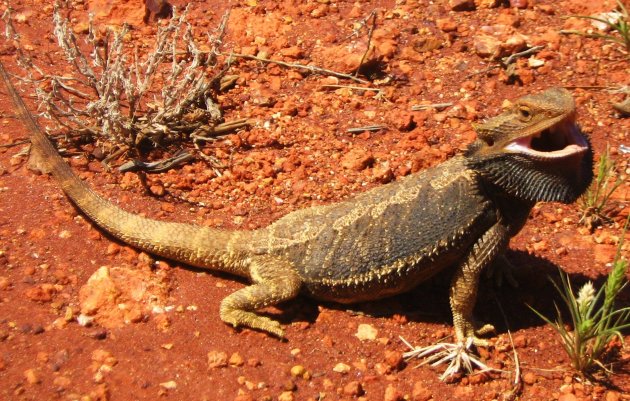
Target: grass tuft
595, 320
617, 21
594, 202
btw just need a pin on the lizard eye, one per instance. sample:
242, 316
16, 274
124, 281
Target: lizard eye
525, 113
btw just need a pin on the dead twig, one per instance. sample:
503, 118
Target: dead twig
506, 62
357, 88
16, 143
437, 106
179, 158
207, 133
369, 40
310, 68
367, 128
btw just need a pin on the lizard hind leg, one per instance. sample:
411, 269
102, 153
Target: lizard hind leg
273, 281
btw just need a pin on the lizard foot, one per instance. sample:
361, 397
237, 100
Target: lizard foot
459, 357
238, 318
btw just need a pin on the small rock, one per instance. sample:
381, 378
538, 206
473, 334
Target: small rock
236, 360
157, 190
244, 397
382, 368
520, 341
289, 385
286, 396
420, 392
31, 376
394, 359
292, 52
298, 371
514, 44
428, 44
462, 5
41, 293
540, 246
518, 3
392, 394
217, 359
508, 19
529, 378
366, 332
488, 3
486, 46
341, 368
446, 24
169, 385
357, 160
4, 283
353, 389
62, 382
567, 397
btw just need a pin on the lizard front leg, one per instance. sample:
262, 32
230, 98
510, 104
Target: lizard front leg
273, 281
463, 294
463, 291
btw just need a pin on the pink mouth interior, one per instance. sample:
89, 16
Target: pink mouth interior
562, 140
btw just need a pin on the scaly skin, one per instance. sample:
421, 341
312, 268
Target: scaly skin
460, 215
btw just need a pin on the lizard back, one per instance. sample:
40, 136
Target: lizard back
384, 241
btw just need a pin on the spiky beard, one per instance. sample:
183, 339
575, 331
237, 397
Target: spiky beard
531, 179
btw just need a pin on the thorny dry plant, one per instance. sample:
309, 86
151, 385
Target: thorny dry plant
128, 98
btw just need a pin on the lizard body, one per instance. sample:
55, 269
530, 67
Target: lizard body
460, 215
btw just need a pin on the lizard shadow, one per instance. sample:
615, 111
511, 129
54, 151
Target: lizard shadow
506, 307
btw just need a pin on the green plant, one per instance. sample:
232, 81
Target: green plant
594, 202
594, 317
618, 21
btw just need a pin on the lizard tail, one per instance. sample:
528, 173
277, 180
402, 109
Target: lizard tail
191, 244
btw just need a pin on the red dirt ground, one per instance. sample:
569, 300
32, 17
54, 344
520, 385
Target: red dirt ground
160, 335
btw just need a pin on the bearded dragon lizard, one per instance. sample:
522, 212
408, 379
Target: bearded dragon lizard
460, 214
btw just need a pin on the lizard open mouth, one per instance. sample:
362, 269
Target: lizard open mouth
559, 141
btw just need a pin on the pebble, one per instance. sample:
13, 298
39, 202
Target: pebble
366, 332
286, 396
298, 371
420, 392
236, 360
392, 394
462, 5
529, 378
519, 3
4, 283
486, 46
446, 24
62, 382
353, 389
394, 359
357, 160
341, 368
169, 385
567, 397
31, 376
217, 359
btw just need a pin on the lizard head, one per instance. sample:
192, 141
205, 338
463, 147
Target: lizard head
535, 150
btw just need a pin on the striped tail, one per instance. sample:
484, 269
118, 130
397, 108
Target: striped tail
195, 245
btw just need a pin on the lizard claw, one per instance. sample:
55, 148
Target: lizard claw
458, 356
